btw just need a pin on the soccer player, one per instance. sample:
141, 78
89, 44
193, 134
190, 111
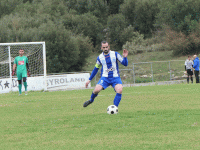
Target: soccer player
21, 62
188, 68
196, 68
109, 73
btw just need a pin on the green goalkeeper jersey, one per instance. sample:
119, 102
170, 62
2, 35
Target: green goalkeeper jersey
21, 63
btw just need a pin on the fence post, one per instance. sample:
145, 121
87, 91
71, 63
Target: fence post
152, 71
169, 72
133, 74
10, 67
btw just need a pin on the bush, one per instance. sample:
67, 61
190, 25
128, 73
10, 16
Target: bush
136, 43
182, 44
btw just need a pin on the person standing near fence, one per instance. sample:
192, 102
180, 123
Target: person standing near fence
188, 68
186, 64
196, 68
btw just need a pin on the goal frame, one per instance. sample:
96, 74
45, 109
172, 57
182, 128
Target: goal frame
27, 43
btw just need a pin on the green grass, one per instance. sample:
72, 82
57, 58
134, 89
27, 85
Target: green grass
151, 117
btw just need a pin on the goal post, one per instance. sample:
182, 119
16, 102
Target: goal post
36, 53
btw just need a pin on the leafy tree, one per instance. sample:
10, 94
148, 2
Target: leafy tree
128, 10
114, 6
116, 24
98, 8
81, 6
7, 6
180, 15
86, 24
141, 14
63, 50
85, 48
127, 34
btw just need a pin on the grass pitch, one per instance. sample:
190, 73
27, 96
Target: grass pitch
151, 117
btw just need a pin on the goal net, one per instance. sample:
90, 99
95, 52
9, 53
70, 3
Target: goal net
35, 51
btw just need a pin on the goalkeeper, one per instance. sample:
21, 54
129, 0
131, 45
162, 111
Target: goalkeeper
21, 62
109, 73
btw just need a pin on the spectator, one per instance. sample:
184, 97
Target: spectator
188, 68
186, 64
196, 68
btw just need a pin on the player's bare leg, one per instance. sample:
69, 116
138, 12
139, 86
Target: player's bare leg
118, 88
97, 89
118, 97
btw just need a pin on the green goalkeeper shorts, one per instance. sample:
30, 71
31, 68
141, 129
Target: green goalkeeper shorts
21, 75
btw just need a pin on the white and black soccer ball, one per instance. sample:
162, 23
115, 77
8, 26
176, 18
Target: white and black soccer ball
112, 109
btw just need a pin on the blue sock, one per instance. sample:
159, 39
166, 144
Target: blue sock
117, 99
93, 97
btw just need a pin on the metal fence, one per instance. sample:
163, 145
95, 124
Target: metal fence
144, 72
158, 71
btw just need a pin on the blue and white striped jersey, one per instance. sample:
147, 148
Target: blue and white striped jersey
109, 64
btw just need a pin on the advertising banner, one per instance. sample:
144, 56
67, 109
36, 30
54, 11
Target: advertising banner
53, 82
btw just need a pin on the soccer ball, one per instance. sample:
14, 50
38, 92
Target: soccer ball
112, 109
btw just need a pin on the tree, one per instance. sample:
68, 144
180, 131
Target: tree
7, 6
86, 24
116, 24
63, 50
180, 15
114, 6
141, 14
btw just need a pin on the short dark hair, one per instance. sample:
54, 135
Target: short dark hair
103, 42
21, 49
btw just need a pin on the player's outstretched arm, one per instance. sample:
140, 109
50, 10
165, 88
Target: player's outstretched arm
94, 72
